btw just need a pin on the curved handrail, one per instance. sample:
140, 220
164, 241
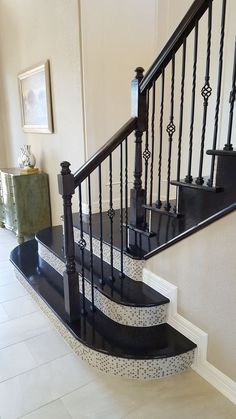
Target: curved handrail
194, 13
105, 150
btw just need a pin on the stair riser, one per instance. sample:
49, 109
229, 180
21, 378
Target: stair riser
123, 367
126, 315
133, 268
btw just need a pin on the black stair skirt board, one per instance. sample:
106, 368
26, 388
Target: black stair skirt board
225, 153
149, 352
122, 291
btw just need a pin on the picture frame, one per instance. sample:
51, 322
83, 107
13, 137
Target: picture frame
35, 99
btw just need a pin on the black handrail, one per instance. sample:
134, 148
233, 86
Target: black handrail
194, 13
105, 151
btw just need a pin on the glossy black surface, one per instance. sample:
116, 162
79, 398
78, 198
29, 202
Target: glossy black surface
197, 206
126, 291
96, 330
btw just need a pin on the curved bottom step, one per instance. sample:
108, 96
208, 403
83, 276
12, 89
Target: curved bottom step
139, 353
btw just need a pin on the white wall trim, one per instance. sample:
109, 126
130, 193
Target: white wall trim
215, 377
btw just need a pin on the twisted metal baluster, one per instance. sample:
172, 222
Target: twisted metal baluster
206, 93
111, 214
82, 245
228, 146
91, 245
153, 138
181, 111
218, 97
121, 214
126, 193
146, 152
170, 130
101, 223
158, 201
188, 177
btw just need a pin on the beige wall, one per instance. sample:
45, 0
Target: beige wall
203, 267
31, 32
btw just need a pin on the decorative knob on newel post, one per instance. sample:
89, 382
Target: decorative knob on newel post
137, 193
66, 186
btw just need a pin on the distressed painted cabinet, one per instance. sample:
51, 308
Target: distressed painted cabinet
24, 202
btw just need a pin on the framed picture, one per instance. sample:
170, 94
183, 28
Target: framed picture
35, 99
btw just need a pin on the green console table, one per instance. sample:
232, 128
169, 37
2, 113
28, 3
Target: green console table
24, 202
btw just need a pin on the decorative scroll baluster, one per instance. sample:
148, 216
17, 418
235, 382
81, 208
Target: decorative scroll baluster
82, 245
153, 139
121, 215
218, 96
126, 194
181, 111
91, 244
158, 201
189, 178
146, 153
228, 146
100, 221
170, 130
206, 93
111, 214
70, 276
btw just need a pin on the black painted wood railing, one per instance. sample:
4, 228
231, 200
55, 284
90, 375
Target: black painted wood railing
171, 133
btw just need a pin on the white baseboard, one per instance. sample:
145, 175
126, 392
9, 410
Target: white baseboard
215, 377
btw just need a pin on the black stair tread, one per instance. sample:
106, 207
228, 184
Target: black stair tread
126, 291
231, 153
96, 330
194, 185
162, 210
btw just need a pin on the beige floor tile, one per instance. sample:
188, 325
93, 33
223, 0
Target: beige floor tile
54, 410
33, 389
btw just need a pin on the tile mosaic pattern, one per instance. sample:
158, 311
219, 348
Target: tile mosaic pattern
133, 268
126, 315
130, 368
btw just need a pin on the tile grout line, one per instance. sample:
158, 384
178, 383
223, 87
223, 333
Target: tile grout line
58, 398
36, 367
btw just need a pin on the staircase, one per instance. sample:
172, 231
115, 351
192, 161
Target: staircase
87, 273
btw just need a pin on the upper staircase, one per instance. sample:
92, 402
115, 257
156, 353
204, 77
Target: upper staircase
89, 271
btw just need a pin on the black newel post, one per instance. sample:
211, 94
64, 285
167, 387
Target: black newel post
137, 193
70, 276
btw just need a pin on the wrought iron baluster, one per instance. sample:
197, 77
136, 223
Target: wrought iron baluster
121, 215
188, 177
206, 93
146, 152
82, 245
228, 146
158, 201
111, 214
126, 193
181, 111
170, 130
91, 244
218, 96
101, 223
153, 138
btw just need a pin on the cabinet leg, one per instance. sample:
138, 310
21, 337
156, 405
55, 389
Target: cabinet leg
20, 239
